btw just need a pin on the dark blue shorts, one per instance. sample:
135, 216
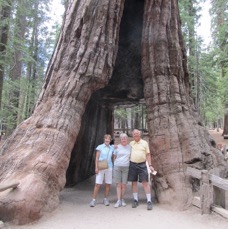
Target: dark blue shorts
138, 172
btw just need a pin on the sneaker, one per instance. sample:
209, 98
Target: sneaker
92, 203
123, 203
149, 205
117, 204
106, 202
135, 204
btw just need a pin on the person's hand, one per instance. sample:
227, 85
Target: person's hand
152, 170
96, 170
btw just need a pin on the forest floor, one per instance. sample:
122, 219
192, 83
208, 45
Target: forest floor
74, 211
217, 135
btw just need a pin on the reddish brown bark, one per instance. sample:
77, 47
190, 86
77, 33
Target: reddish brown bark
69, 115
177, 138
40, 147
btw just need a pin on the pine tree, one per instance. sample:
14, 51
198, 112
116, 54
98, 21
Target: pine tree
220, 27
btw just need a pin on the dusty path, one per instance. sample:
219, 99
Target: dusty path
74, 212
222, 143
217, 135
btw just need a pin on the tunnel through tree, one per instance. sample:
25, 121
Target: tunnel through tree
108, 53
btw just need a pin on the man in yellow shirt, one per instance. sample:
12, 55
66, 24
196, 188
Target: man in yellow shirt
140, 153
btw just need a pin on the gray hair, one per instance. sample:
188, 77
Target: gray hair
136, 130
123, 135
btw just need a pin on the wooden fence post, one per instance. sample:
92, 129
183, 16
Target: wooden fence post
206, 193
226, 200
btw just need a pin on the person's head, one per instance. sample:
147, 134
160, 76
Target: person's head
136, 135
123, 139
107, 139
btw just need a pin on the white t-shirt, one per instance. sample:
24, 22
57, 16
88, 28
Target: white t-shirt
122, 155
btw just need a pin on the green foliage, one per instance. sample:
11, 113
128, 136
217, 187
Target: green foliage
219, 14
190, 14
212, 87
120, 113
207, 68
33, 51
224, 89
8, 111
130, 117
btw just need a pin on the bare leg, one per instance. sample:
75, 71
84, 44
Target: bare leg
118, 191
96, 190
134, 187
107, 189
123, 190
146, 187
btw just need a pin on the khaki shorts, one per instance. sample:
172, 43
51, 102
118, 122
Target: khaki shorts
120, 174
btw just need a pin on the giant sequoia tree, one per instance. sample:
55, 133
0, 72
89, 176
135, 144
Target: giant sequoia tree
109, 52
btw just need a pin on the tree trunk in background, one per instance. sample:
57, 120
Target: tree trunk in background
27, 99
4, 17
177, 138
17, 64
40, 147
219, 21
75, 107
225, 124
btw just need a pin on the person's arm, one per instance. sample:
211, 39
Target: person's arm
114, 156
148, 158
114, 147
96, 161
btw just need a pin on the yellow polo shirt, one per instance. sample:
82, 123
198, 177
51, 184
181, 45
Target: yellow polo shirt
139, 150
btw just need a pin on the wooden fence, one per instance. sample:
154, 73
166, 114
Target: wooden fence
208, 185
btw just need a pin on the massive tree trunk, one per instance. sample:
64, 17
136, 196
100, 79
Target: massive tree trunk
37, 154
55, 146
176, 133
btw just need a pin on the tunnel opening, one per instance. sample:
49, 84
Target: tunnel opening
125, 88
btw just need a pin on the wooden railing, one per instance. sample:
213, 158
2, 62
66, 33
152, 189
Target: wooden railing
208, 182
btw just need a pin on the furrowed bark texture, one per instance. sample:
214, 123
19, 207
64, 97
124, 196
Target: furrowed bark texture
177, 138
55, 146
124, 87
40, 147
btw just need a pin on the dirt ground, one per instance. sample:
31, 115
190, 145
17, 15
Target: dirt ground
217, 135
74, 211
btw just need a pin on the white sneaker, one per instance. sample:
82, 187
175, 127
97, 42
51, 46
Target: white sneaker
106, 202
92, 203
117, 204
124, 203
